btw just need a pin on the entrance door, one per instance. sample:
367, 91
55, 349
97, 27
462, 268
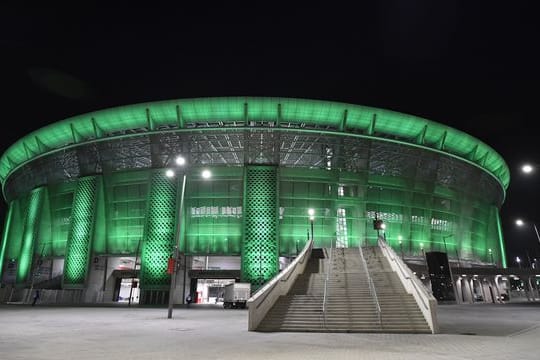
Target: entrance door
210, 291
126, 288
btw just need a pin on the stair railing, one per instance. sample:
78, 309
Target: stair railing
325, 294
425, 300
264, 299
372, 290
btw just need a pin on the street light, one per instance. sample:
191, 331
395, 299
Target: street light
445, 249
527, 168
520, 222
491, 256
400, 239
206, 174
444, 242
518, 260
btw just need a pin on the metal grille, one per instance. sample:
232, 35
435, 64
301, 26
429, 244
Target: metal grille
260, 260
80, 233
237, 146
158, 232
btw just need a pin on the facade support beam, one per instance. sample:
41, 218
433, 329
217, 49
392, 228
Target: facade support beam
260, 247
79, 242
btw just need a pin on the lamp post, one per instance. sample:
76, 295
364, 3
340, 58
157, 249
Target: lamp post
518, 260
400, 239
444, 242
445, 249
491, 256
180, 161
311, 213
520, 222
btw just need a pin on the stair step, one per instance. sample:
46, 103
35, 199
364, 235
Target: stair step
339, 277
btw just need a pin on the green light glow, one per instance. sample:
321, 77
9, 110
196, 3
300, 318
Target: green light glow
80, 233
7, 226
501, 241
407, 128
213, 213
260, 250
159, 229
345, 204
30, 234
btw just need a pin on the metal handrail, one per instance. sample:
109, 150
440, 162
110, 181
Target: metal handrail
372, 290
406, 274
425, 300
288, 271
328, 270
410, 278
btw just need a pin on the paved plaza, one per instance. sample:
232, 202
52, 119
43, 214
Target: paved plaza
479, 331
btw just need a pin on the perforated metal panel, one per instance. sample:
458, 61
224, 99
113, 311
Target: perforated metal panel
158, 232
4, 240
31, 225
80, 233
260, 259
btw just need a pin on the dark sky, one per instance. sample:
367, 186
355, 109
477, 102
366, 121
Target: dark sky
471, 65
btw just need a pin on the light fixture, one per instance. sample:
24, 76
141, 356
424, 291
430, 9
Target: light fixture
180, 160
206, 174
527, 168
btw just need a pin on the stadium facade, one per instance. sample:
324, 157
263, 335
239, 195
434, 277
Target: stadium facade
88, 191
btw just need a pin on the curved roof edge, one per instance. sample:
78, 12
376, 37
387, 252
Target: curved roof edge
247, 111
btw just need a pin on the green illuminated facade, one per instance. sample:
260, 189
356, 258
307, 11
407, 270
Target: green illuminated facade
94, 186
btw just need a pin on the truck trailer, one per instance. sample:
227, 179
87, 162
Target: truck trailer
236, 295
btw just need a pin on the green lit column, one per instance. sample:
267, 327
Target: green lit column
30, 230
502, 254
260, 257
158, 237
80, 233
13, 236
5, 237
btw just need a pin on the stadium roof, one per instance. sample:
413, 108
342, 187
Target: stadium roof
211, 113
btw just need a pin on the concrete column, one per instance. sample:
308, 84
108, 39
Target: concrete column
498, 287
467, 292
530, 290
488, 294
459, 291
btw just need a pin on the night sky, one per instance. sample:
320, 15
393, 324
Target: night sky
474, 67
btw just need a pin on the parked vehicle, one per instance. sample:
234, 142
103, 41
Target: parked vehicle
236, 295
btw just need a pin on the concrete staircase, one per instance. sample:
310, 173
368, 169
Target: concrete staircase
399, 311
349, 306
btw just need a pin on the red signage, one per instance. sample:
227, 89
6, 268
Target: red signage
170, 266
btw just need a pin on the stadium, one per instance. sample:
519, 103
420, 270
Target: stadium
98, 204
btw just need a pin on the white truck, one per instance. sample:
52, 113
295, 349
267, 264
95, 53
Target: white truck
236, 295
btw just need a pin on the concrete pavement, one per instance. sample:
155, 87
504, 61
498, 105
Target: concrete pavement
479, 331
